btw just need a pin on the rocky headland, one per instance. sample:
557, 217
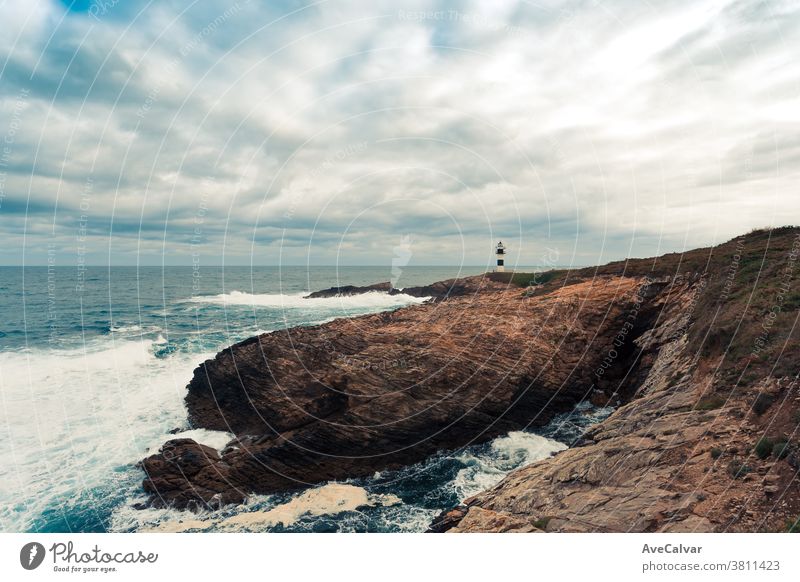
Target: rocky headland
699, 351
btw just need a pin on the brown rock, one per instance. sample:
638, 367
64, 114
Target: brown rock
187, 474
357, 395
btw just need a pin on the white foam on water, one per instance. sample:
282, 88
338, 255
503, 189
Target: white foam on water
124, 331
72, 420
346, 504
126, 518
213, 438
403, 518
330, 499
371, 300
515, 450
125, 328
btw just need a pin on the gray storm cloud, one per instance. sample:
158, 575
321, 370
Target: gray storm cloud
603, 129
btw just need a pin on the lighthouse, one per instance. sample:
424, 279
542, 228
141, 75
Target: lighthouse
500, 252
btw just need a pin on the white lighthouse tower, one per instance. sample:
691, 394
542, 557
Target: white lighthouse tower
500, 252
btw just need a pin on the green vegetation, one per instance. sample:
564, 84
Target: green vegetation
525, 279
762, 403
542, 522
716, 453
763, 448
745, 287
711, 402
742, 320
793, 526
780, 449
792, 301
737, 469
741, 285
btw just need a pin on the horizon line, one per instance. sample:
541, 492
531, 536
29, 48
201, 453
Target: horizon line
106, 266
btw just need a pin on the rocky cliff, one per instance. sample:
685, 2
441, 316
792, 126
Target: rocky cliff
708, 441
663, 337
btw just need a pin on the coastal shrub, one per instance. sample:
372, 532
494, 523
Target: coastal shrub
792, 301
525, 279
710, 402
780, 449
537, 278
763, 448
762, 403
542, 522
737, 469
716, 453
750, 378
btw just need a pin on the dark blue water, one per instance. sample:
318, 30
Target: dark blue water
62, 307
93, 369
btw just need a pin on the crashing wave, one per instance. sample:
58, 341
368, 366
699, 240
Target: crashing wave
372, 300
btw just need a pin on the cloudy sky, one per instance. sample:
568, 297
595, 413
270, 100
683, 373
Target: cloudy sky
322, 132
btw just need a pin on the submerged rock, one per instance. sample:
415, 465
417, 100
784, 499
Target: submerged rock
435, 291
187, 474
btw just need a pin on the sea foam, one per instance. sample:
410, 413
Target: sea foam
360, 505
486, 469
75, 418
329, 499
372, 300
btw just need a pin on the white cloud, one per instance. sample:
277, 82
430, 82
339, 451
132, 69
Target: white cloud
606, 128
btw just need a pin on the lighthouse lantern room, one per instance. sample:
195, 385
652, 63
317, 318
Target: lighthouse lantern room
500, 252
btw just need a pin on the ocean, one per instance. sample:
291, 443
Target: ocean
93, 371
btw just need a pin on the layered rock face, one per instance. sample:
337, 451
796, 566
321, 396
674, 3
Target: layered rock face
357, 395
660, 463
709, 439
700, 351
